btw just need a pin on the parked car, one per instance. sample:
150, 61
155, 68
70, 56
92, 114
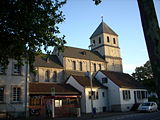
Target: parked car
148, 107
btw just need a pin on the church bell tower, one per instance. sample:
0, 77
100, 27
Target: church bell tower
105, 42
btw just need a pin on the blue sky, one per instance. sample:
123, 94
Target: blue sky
83, 17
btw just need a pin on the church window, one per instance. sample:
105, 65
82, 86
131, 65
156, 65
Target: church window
80, 66
54, 76
74, 65
99, 40
94, 65
114, 40
100, 67
108, 39
47, 74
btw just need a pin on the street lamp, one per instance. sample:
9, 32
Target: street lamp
91, 82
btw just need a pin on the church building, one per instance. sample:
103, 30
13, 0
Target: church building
61, 82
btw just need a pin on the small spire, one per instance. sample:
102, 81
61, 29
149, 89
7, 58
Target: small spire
102, 18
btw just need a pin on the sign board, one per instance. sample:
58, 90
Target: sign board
53, 91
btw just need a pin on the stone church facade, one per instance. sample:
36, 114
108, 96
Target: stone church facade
104, 55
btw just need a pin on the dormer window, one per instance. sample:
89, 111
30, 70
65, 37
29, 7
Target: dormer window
99, 40
83, 52
114, 41
104, 80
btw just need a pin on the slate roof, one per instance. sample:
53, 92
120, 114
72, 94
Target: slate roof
45, 88
123, 80
52, 62
82, 54
85, 81
103, 28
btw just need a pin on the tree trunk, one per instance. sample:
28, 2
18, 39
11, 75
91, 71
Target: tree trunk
152, 37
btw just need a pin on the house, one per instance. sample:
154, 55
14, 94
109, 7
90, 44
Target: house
123, 90
13, 88
59, 99
82, 84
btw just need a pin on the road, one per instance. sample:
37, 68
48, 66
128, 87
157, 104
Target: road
135, 116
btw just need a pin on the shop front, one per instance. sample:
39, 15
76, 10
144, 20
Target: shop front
60, 104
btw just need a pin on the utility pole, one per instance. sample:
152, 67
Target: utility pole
91, 82
152, 37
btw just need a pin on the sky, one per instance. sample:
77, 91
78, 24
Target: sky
83, 17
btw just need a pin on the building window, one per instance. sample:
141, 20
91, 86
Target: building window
58, 103
99, 40
142, 94
54, 76
104, 80
100, 67
36, 100
108, 39
47, 75
114, 41
1, 94
103, 94
93, 41
97, 96
94, 65
16, 69
80, 66
74, 65
16, 94
94, 95
2, 69
126, 95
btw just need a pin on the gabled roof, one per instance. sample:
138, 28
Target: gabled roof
85, 81
103, 28
123, 80
82, 54
45, 88
51, 61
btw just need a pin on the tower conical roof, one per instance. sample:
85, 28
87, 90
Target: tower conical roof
103, 28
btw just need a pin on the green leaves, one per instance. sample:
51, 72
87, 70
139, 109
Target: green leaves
26, 26
144, 74
97, 2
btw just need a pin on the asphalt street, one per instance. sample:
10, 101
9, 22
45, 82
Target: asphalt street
135, 116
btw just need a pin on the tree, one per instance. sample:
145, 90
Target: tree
144, 75
26, 26
152, 37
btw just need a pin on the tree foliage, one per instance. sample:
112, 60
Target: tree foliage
27, 25
144, 74
97, 2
